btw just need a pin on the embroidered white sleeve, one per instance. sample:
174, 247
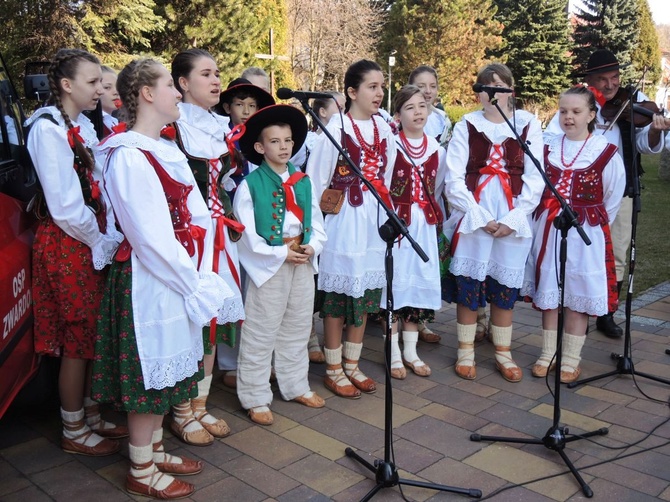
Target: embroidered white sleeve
517, 221
102, 251
203, 305
476, 217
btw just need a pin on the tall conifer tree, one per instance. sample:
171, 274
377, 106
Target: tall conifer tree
535, 46
231, 30
606, 24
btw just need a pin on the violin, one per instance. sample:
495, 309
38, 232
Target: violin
618, 108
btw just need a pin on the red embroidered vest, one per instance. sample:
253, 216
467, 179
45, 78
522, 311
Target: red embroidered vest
176, 194
480, 146
345, 179
401, 189
586, 193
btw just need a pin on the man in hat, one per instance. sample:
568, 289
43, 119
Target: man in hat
283, 236
602, 74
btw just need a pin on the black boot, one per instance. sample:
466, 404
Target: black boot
608, 327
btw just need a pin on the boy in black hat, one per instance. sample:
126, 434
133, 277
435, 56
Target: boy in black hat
284, 235
602, 74
239, 102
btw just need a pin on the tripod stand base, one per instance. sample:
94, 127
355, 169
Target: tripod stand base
624, 367
555, 440
386, 475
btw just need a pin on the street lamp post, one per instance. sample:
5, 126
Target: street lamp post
391, 64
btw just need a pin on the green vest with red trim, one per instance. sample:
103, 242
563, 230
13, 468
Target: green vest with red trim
269, 199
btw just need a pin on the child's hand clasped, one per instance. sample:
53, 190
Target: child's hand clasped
497, 229
298, 258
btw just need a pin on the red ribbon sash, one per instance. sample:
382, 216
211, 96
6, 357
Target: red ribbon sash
291, 204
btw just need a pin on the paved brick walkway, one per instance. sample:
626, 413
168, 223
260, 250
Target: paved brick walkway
301, 457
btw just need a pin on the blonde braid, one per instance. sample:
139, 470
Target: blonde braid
133, 77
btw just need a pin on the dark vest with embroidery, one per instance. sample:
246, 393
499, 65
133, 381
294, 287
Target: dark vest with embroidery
345, 179
200, 168
586, 193
401, 188
480, 147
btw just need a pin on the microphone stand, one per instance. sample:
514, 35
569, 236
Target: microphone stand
556, 437
386, 473
625, 364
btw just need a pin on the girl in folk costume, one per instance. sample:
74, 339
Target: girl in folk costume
438, 124
420, 161
74, 242
201, 134
493, 189
351, 267
148, 351
589, 173
109, 100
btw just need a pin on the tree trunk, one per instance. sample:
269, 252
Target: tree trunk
664, 166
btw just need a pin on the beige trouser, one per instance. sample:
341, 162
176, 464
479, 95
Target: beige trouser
279, 319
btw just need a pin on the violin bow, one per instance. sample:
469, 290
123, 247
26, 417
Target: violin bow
631, 93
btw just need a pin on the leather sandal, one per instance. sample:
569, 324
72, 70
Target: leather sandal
511, 374
570, 376
218, 429
198, 437
336, 384
261, 417
187, 467
315, 401
102, 449
230, 379
428, 336
176, 490
418, 367
116, 432
540, 370
399, 373
316, 356
367, 385
469, 372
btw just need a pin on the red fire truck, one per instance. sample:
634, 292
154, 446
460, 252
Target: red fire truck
18, 362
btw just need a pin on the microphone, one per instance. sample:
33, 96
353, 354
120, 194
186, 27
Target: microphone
491, 89
285, 93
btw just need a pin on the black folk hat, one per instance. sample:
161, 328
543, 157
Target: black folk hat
272, 115
241, 86
601, 61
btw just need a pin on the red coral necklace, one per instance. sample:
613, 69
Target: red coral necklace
416, 152
570, 164
372, 151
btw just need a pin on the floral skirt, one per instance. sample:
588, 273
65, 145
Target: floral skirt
352, 309
67, 291
444, 252
473, 294
117, 372
225, 333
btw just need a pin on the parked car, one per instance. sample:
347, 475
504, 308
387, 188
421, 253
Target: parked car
18, 361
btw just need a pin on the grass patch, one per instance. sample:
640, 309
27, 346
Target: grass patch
652, 264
